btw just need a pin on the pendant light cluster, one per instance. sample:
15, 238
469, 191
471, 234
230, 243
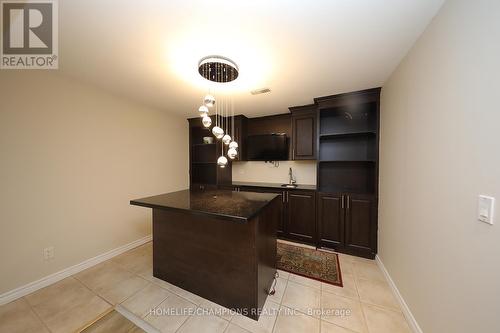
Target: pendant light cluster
221, 70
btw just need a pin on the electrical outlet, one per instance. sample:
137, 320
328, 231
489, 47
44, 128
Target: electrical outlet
48, 253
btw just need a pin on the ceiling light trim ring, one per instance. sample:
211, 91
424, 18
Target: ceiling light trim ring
217, 68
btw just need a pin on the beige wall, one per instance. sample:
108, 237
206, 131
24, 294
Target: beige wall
303, 171
71, 158
440, 135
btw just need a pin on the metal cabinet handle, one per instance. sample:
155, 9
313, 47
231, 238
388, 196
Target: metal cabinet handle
348, 199
342, 202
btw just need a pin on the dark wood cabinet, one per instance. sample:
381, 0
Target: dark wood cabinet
331, 220
301, 219
347, 223
360, 224
239, 135
282, 195
304, 132
298, 212
347, 171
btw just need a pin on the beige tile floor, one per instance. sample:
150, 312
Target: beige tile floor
364, 304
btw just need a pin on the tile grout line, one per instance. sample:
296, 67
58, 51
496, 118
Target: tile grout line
36, 314
355, 278
92, 291
364, 317
321, 298
186, 320
142, 324
91, 322
281, 303
136, 292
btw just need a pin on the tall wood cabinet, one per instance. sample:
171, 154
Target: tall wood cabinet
347, 171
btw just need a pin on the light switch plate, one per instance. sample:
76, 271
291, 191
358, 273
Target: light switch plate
485, 209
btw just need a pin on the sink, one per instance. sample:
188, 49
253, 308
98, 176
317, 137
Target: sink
289, 185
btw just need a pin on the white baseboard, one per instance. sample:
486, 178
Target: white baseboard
14, 294
412, 322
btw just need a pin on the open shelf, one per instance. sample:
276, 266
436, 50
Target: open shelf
348, 148
345, 134
204, 144
197, 134
352, 177
203, 153
355, 118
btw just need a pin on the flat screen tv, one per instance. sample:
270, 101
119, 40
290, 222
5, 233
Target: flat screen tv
267, 147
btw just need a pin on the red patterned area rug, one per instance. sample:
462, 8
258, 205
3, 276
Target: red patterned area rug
318, 265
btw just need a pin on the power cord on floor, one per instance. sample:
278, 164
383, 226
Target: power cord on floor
272, 291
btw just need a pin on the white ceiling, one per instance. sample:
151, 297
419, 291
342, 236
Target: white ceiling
148, 50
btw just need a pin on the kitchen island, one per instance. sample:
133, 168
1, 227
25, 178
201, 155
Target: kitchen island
220, 245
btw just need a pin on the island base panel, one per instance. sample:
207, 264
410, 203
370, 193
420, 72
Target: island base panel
230, 263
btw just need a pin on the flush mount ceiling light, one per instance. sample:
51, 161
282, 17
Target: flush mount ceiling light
218, 69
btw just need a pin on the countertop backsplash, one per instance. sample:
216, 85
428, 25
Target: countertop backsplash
303, 171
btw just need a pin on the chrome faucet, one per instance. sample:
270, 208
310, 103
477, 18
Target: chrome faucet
291, 180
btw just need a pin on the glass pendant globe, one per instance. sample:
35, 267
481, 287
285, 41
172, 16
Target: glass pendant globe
209, 101
233, 144
226, 139
218, 132
203, 109
231, 153
222, 161
206, 121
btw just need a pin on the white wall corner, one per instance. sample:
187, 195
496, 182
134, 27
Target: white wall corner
412, 322
19, 292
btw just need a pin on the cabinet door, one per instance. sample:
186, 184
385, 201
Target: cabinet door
361, 224
331, 220
301, 221
281, 222
304, 136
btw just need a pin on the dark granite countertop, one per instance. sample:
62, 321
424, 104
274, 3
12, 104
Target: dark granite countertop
236, 206
275, 185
